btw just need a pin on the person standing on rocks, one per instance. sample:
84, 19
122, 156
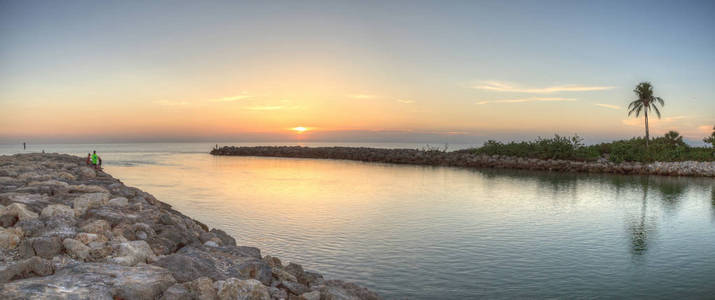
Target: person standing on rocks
96, 160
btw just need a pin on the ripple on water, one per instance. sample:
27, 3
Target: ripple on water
426, 232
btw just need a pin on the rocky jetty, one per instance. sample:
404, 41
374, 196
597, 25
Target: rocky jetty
470, 160
71, 232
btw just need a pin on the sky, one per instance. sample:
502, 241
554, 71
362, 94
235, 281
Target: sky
400, 71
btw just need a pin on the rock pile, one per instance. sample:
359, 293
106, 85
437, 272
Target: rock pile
470, 160
70, 232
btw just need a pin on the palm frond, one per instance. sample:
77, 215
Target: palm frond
638, 110
657, 112
634, 106
660, 100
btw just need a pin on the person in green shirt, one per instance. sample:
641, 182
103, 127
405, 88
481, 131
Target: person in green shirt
96, 160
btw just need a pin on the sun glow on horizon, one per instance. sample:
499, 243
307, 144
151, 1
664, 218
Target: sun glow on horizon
299, 129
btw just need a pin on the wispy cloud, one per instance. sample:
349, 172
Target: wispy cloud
499, 86
265, 107
653, 121
522, 100
405, 101
706, 129
231, 98
362, 96
272, 107
171, 103
611, 106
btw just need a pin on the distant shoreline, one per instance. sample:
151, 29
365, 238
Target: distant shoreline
470, 160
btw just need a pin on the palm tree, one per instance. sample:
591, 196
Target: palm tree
645, 102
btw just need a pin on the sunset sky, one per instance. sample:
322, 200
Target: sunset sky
410, 71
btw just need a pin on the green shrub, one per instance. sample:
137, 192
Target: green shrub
669, 147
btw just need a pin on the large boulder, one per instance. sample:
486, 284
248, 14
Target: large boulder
176, 292
44, 246
10, 237
202, 288
87, 172
96, 226
57, 210
76, 249
93, 281
170, 238
217, 263
34, 266
20, 211
86, 201
251, 289
133, 252
31, 203
119, 202
226, 239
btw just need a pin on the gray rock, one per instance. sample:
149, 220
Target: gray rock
311, 279
86, 201
10, 238
109, 214
277, 293
34, 266
169, 238
87, 172
93, 281
185, 268
294, 288
202, 288
141, 235
295, 269
314, 295
273, 261
218, 263
226, 239
340, 290
8, 220
47, 247
176, 292
96, 226
20, 211
57, 210
166, 219
250, 289
76, 249
119, 202
99, 250
60, 227
133, 252
86, 237
205, 236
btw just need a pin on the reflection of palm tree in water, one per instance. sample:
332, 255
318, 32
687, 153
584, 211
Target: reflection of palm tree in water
639, 230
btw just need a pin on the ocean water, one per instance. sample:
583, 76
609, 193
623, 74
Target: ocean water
423, 232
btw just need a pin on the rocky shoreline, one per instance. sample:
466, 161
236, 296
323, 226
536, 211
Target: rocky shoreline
70, 232
470, 160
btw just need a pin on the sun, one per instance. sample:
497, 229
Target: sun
299, 129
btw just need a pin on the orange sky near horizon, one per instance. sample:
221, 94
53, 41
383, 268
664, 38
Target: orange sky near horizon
140, 71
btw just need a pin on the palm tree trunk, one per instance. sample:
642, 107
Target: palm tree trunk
647, 137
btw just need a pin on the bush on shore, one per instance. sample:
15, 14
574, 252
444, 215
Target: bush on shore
669, 147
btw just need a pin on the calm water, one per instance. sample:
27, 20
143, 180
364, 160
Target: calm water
432, 232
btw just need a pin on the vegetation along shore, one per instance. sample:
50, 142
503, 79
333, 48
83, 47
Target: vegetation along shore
72, 232
667, 155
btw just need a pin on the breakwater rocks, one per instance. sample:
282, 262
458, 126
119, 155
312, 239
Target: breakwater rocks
471, 160
70, 232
